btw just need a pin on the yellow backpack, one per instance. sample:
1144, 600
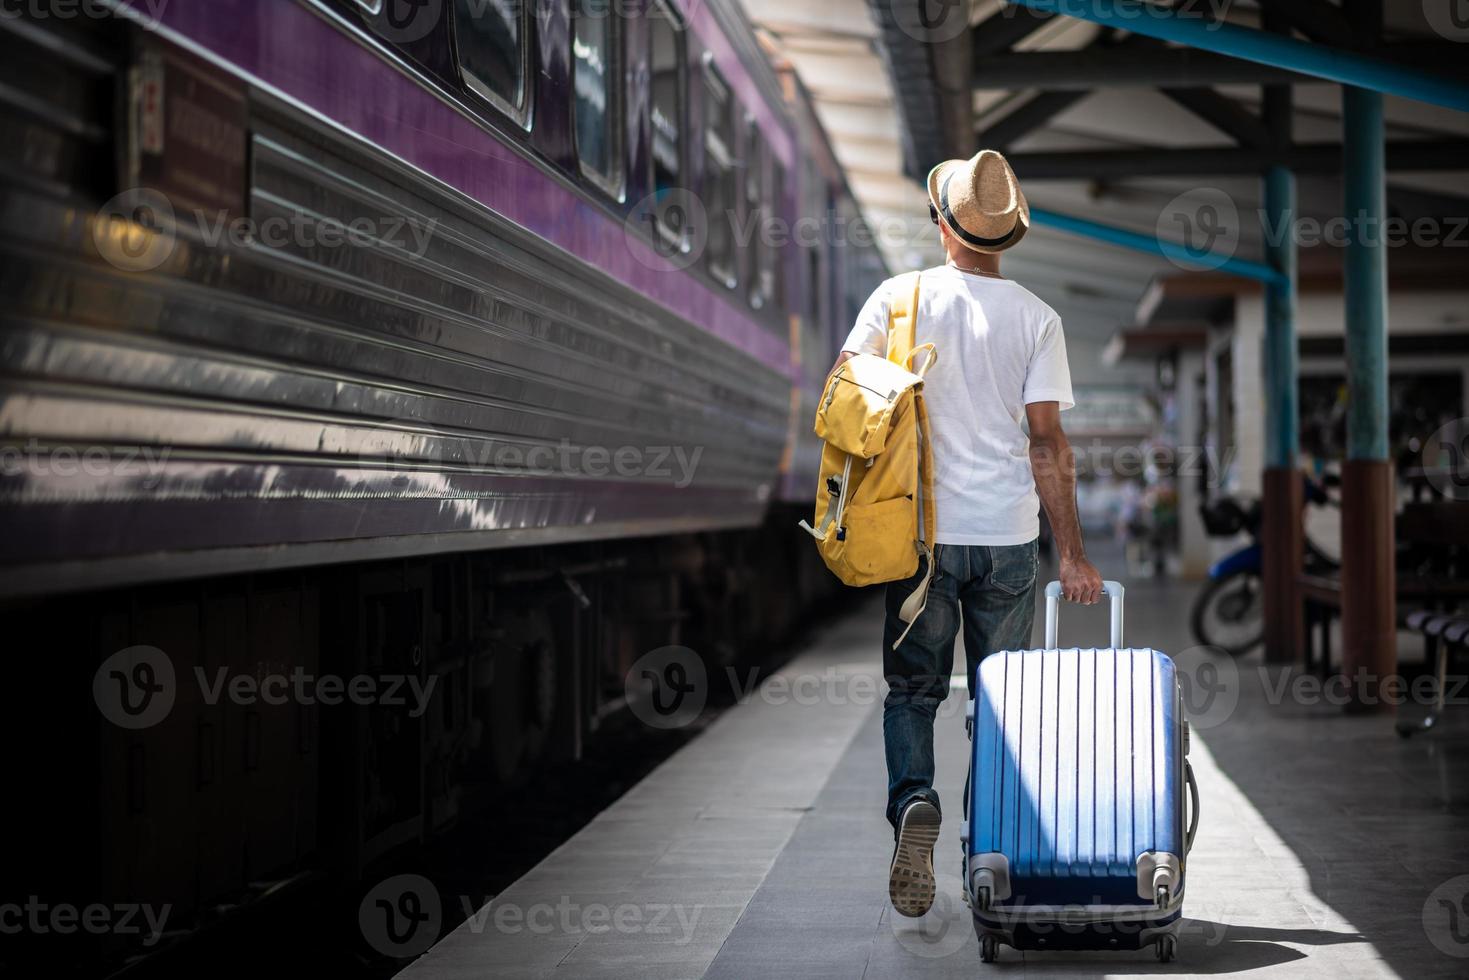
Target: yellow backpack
876, 485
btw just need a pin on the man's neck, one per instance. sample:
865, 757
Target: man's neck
980, 263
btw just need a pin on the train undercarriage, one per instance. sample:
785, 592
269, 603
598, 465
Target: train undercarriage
325, 723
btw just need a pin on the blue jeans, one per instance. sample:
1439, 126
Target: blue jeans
990, 591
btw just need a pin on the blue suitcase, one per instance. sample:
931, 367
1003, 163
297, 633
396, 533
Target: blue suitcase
1075, 832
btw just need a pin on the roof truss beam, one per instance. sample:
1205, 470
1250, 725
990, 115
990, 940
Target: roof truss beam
1316, 19
1224, 114
1096, 67
1303, 158
1028, 117
1005, 28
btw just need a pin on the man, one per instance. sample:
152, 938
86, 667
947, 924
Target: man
1001, 367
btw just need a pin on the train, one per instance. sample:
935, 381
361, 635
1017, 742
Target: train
461, 341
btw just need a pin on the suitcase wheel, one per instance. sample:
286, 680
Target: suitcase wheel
989, 949
1167, 948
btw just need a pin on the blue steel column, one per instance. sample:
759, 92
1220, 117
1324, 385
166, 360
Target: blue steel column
1282, 433
1283, 535
1365, 272
1368, 582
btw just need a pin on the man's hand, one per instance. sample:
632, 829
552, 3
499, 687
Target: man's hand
842, 358
1080, 581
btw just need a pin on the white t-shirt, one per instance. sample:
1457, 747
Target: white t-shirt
999, 349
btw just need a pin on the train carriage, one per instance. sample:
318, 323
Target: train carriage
503, 297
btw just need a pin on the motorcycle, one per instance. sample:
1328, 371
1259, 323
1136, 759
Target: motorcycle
1229, 612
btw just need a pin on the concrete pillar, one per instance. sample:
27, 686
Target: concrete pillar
1248, 393
1368, 581
1193, 541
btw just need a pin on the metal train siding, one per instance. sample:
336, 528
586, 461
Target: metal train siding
261, 456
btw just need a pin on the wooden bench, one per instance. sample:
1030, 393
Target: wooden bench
1439, 529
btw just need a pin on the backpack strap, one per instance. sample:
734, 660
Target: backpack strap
902, 317
836, 504
930, 357
917, 600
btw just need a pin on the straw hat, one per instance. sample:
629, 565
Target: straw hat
980, 201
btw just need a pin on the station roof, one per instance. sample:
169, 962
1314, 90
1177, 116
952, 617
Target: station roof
1083, 115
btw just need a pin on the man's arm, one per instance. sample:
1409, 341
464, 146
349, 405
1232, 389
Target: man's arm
842, 358
1054, 468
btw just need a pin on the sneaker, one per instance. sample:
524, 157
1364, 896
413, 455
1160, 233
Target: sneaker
910, 879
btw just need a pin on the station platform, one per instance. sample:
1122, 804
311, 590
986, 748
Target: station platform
1327, 845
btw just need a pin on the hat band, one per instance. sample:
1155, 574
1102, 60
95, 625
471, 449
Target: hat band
958, 229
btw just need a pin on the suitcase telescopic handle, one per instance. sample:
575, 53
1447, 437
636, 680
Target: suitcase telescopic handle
1112, 590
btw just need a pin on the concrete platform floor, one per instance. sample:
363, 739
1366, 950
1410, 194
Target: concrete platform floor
1328, 846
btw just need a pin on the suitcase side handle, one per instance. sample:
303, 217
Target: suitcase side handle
1112, 590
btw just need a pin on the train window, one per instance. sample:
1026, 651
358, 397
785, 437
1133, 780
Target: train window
756, 212
814, 287
595, 66
719, 175
773, 254
666, 56
493, 51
